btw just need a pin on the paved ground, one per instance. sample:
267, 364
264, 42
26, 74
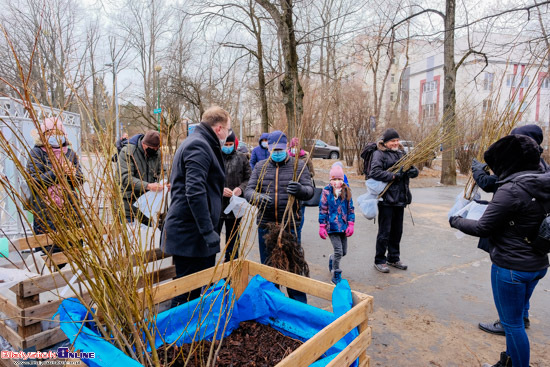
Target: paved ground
427, 315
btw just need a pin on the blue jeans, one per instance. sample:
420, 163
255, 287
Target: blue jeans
512, 290
292, 293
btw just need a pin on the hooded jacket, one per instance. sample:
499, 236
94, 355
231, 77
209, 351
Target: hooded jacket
197, 183
41, 170
259, 153
237, 173
335, 212
272, 178
136, 170
513, 217
398, 194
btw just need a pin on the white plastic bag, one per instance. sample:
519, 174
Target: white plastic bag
152, 202
239, 206
375, 187
460, 203
369, 205
472, 211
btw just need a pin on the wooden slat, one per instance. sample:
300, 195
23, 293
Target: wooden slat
24, 329
350, 353
30, 242
46, 338
241, 281
365, 363
11, 336
315, 347
11, 310
59, 258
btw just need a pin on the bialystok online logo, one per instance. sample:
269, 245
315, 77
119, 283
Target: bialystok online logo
62, 353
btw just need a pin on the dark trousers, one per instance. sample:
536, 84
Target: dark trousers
390, 229
232, 235
264, 255
190, 265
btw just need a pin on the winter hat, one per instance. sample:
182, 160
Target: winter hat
52, 123
231, 137
152, 139
277, 140
336, 172
512, 154
338, 164
532, 131
390, 134
294, 142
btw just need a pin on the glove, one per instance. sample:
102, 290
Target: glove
323, 231
399, 175
412, 172
453, 221
478, 166
294, 188
212, 239
262, 200
349, 230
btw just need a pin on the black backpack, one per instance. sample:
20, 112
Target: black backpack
366, 155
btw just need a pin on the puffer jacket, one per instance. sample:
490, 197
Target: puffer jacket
272, 178
40, 168
513, 217
398, 194
334, 212
259, 153
237, 173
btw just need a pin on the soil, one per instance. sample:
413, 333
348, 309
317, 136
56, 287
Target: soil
250, 345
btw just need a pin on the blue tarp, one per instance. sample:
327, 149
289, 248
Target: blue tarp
261, 301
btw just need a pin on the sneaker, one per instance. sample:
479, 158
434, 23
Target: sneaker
398, 265
497, 328
336, 276
330, 259
383, 268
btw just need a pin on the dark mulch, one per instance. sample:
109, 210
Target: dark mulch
251, 344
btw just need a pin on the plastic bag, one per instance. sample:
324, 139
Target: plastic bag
239, 206
460, 203
152, 203
368, 203
375, 187
472, 211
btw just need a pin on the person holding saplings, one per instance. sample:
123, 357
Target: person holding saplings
390, 210
336, 219
512, 222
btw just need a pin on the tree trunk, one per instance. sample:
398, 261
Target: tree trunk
448, 169
264, 111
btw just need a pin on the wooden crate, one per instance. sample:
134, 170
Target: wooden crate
28, 311
315, 347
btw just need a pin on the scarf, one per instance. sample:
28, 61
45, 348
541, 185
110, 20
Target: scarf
55, 192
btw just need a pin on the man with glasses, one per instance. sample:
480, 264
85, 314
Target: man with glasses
190, 231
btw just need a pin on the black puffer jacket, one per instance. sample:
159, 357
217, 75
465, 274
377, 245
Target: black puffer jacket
398, 194
512, 219
272, 178
237, 173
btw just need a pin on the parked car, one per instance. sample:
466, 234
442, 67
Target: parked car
408, 145
323, 150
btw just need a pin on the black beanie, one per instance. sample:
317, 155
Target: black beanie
532, 131
390, 134
231, 137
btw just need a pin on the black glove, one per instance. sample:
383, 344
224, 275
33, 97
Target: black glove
478, 166
399, 175
294, 188
453, 220
212, 239
412, 172
262, 200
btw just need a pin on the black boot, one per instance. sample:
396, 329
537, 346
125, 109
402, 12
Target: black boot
505, 361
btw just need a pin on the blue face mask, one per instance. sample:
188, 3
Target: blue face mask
54, 140
227, 150
278, 155
264, 144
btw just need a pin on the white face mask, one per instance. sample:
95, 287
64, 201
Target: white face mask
264, 144
293, 150
54, 140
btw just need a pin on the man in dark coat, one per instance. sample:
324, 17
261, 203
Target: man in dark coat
394, 201
140, 169
270, 186
190, 231
237, 173
261, 152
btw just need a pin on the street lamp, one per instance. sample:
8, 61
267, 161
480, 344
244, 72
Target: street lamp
158, 68
117, 127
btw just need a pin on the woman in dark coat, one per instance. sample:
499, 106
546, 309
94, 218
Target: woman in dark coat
394, 201
237, 173
511, 222
56, 175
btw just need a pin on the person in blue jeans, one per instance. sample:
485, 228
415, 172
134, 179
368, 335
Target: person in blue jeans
511, 222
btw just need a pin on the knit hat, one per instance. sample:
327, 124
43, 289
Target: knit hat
277, 140
53, 123
294, 142
532, 131
336, 172
390, 134
231, 137
152, 139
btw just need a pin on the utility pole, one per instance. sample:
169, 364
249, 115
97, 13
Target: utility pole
115, 89
158, 68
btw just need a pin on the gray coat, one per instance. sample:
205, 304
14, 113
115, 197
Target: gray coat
197, 182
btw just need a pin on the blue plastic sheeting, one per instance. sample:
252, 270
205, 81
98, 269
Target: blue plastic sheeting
261, 301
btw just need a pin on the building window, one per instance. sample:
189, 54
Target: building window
488, 81
428, 110
524, 82
510, 80
392, 96
393, 78
430, 86
545, 83
393, 60
487, 104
